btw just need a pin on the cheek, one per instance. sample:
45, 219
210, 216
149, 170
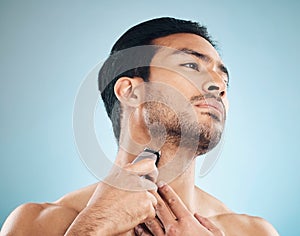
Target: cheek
175, 82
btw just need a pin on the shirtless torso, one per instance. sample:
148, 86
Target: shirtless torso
55, 218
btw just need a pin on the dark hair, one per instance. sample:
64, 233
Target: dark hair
129, 58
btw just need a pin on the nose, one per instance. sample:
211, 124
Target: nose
215, 85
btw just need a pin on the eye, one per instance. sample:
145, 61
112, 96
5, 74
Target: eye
191, 65
226, 81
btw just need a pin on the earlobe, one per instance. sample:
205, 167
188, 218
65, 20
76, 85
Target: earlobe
127, 90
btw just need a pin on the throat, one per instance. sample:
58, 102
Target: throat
185, 189
179, 173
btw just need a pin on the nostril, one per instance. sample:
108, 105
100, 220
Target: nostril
222, 94
213, 87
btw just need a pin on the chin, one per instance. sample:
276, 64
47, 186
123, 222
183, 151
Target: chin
208, 138
199, 141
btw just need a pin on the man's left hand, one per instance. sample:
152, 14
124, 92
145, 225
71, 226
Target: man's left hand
175, 219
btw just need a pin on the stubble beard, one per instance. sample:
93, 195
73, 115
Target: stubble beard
181, 129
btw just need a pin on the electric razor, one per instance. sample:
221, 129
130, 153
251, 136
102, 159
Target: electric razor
150, 154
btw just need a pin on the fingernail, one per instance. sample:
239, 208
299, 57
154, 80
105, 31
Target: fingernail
161, 184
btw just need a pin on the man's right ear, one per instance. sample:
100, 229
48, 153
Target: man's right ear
128, 91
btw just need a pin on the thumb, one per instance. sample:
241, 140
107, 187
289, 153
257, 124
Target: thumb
145, 167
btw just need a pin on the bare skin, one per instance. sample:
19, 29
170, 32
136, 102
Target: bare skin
55, 218
210, 215
181, 207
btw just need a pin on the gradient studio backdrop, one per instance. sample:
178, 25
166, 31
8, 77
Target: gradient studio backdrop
47, 48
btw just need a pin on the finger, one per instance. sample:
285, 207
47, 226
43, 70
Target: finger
208, 225
152, 176
155, 227
162, 210
144, 167
140, 231
173, 201
145, 155
147, 185
152, 199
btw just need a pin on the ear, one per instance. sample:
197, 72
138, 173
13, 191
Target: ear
129, 90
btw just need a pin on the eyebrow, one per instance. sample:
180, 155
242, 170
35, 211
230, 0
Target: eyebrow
203, 57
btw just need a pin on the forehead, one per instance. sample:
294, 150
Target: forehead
190, 41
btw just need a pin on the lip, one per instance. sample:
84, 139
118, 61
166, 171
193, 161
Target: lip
211, 104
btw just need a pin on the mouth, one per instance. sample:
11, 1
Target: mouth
211, 106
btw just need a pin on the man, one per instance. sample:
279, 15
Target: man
164, 87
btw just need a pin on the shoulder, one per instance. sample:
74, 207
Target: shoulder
230, 222
244, 225
38, 219
213, 206
47, 218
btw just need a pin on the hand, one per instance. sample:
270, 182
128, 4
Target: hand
112, 210
175, 218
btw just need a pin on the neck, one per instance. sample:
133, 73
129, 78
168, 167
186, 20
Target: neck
184, 186
177, 168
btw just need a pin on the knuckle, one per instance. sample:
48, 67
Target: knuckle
148, 208
164, 189
171, 230
159, 206
154, 204
152, 199
152, 213
172, 201
150, 222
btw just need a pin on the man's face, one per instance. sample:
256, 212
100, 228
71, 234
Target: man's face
189, 97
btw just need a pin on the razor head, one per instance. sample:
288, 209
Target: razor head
157, 153
148, 153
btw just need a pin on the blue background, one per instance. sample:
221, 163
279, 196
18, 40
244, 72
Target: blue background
47, 48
